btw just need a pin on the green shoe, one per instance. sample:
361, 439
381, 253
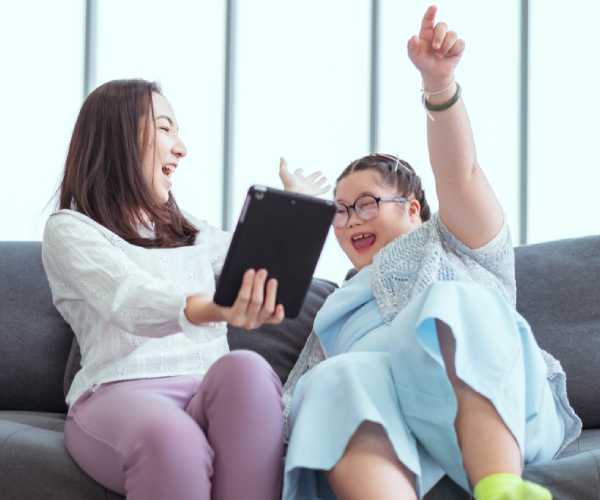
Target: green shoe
526, 491
503, 486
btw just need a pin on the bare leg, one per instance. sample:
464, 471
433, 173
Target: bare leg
369, 468
487, 445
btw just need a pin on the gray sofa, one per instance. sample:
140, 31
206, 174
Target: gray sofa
558, 289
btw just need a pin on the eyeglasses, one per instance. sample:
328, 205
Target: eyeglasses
366, 208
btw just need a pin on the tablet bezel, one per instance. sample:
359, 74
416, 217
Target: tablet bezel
282, 232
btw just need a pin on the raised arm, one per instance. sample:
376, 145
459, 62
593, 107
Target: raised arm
467, 203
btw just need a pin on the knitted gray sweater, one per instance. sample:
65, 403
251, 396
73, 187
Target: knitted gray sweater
431, 253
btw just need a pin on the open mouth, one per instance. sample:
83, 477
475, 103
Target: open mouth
363, 241
167, 171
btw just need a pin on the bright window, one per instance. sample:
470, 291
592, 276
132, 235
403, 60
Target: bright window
564, 167
41, 86
181, 45
301, 91
488, 74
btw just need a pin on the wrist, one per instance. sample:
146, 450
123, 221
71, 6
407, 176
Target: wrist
432, 103
442, 94
199, 310
435, 84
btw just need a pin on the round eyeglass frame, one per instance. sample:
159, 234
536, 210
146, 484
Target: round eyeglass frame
362, 213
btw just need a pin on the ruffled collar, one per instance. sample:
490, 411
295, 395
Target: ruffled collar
339, 306
404, 265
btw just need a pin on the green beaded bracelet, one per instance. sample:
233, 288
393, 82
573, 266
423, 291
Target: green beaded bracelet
445, 105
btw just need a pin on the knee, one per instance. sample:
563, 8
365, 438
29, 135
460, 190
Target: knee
244, 367
243, 386
244, 377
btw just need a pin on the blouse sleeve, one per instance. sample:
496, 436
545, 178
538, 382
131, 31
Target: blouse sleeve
215, 240
220, 241
496, 256
82, 264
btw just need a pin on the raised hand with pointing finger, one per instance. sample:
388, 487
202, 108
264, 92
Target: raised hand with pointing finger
435, 51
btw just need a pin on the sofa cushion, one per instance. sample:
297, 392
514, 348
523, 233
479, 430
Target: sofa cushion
34, 339
558, 292
279, 344
34, 465
588, 441
575, 475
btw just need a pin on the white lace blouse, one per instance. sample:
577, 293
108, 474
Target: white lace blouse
125, 303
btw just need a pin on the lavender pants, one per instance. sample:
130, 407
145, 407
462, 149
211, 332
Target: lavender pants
184, 438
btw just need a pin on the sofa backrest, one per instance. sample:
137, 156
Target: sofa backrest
558, 287
38, 354
558, 292
281, 344
34, 339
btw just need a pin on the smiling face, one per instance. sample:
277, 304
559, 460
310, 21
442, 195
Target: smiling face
164, 148
361, 239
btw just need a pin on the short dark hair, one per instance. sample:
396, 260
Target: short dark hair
395, 173
103, 176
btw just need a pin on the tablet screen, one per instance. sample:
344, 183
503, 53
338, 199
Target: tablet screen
283, 233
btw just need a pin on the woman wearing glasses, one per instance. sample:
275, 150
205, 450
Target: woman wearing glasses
430, 368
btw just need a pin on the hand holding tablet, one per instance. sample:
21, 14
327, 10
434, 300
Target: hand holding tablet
282, 233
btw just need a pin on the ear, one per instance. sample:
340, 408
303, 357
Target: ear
414, 210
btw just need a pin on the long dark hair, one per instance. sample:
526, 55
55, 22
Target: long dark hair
395, 173
103, 176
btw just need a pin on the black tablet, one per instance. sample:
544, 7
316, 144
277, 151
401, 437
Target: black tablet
283, 233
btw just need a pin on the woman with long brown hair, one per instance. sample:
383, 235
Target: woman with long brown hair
159, 409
